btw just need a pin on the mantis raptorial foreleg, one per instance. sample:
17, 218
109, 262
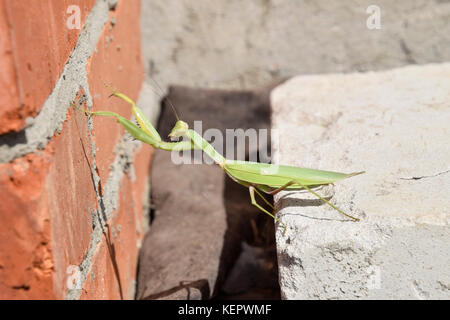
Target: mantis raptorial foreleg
141, 135
252, 191
263, 198
141, 119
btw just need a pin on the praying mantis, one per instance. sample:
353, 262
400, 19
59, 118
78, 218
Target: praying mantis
257, 177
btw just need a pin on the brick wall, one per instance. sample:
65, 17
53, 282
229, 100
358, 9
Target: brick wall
62, 175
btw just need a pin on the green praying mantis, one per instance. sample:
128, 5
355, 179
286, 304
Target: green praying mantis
257, 177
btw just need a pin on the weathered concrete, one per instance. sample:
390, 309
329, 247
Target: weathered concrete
245, 44
395, 126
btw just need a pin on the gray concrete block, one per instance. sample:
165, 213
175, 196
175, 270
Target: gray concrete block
395, 126
246, 44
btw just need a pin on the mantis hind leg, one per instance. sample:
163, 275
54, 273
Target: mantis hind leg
325, 200
252, 191
274, 192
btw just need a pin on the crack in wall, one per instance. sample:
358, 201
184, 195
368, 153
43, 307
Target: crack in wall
425, 177
108, 202
123, 163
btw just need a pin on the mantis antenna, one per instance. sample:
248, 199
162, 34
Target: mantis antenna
167, 97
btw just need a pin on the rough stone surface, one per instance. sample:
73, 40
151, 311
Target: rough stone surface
201, 216
245, 44
395, 126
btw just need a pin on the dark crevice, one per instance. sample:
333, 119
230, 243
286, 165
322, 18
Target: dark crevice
426, 177
13, 138
101, 214
407, 52
22, 287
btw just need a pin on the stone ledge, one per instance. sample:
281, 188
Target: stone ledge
395, 126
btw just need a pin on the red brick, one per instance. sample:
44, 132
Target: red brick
123, 69
25, 230
102, 282
72, 197
124, 235
35, 44
50, 194
48, 213
126, 74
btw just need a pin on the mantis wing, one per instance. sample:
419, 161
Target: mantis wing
278, 175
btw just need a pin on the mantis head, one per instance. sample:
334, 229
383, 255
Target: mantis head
180, 129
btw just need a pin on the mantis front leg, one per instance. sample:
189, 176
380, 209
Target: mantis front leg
252, 191
145, 132
142, 120
141, 135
